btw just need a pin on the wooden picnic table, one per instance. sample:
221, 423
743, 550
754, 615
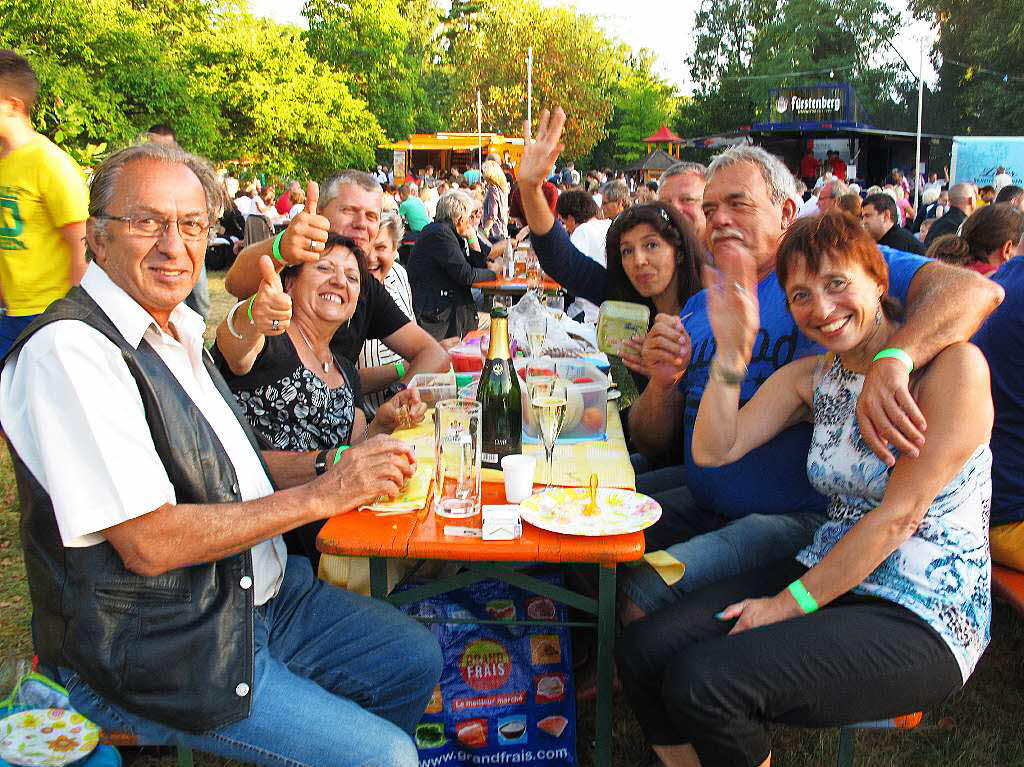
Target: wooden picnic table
420, 535
513, 287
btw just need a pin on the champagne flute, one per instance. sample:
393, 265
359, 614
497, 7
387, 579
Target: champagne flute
550, 409
536, 330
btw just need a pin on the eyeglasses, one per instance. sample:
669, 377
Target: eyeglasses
192, 229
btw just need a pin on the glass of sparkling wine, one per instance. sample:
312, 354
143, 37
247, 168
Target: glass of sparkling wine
549, 405
536, 330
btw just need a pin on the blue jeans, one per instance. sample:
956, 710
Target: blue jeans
10, 329
339, 679
710, 546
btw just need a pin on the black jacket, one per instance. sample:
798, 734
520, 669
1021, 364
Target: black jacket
948, 224
175, 648
441, 276
900, 239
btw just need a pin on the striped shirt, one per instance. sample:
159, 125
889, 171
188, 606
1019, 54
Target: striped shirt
374, 352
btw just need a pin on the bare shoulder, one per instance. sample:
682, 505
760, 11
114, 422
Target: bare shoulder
959, 373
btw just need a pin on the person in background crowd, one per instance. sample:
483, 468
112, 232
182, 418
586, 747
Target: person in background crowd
849, 203
380, 369
1000, 180
162, 134
887, 609
682, 187
987, 239
1001, 340
643, 194
830, 191
472, 176
878, 215
614, 198
146, 494
496, 188
351, 206
43, 207
570, 176
578, 213
411, 207
961, 205
284, 202
441, 273
1013, 195
428, 196
837, 165
906, 209
724, 521
296, 202
809, 166
428, 176
987, 195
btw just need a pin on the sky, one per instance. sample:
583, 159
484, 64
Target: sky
660, 25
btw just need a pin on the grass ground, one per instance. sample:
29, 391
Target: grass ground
980, 727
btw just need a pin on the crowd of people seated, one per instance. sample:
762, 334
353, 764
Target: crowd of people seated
828, 410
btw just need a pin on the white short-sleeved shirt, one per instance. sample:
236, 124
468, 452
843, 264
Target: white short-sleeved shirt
72, 410
589, 238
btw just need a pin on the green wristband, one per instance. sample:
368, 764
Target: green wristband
248, 309
277, 248
802, 596
337, 455
400, 369
895, 354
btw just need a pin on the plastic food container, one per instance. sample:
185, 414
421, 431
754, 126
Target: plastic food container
466, 358
433, 387
619, 321
586, 412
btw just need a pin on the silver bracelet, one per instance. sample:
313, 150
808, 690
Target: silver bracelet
725, 375
230, 320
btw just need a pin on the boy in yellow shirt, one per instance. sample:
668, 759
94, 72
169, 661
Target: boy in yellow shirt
43, 207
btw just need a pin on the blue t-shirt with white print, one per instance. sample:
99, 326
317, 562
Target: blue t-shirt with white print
773, 478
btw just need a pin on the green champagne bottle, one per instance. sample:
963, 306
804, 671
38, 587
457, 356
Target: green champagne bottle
501, 428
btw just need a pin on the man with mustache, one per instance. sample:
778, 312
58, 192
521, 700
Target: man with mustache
724, 521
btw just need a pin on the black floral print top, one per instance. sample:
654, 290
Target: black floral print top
287, 405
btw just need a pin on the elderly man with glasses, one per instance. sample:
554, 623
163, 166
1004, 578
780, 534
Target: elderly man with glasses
163, 597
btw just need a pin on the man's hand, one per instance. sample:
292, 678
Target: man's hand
632, 356
541, 153
666, 351
733, 309
403, 411
752, 613
374, 468
887, 413
306, 234
271, 302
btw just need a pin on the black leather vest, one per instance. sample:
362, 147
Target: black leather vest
176, 648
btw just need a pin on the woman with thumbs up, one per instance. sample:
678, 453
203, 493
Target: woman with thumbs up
274, 352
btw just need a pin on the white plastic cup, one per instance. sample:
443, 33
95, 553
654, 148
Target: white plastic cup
518, 473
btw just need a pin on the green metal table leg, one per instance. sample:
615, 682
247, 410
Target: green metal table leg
845, 757
605, 662
378, 578
184, 756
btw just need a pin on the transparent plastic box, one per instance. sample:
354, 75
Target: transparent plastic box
586, 412
433, 387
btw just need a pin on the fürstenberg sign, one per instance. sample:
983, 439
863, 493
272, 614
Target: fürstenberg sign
798, 104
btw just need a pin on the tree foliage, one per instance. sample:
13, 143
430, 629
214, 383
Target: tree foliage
980, 61
746, 47
641, 103
233, 87
574, 65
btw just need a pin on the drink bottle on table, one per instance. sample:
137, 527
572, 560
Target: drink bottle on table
499, 397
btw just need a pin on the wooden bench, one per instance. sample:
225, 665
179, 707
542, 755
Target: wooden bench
1009, 584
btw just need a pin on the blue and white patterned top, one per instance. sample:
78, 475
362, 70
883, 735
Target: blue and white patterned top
942, 572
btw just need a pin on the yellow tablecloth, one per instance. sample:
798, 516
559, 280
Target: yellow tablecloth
573, 464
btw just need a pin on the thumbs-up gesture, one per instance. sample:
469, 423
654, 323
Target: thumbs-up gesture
272, 307
306, 234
